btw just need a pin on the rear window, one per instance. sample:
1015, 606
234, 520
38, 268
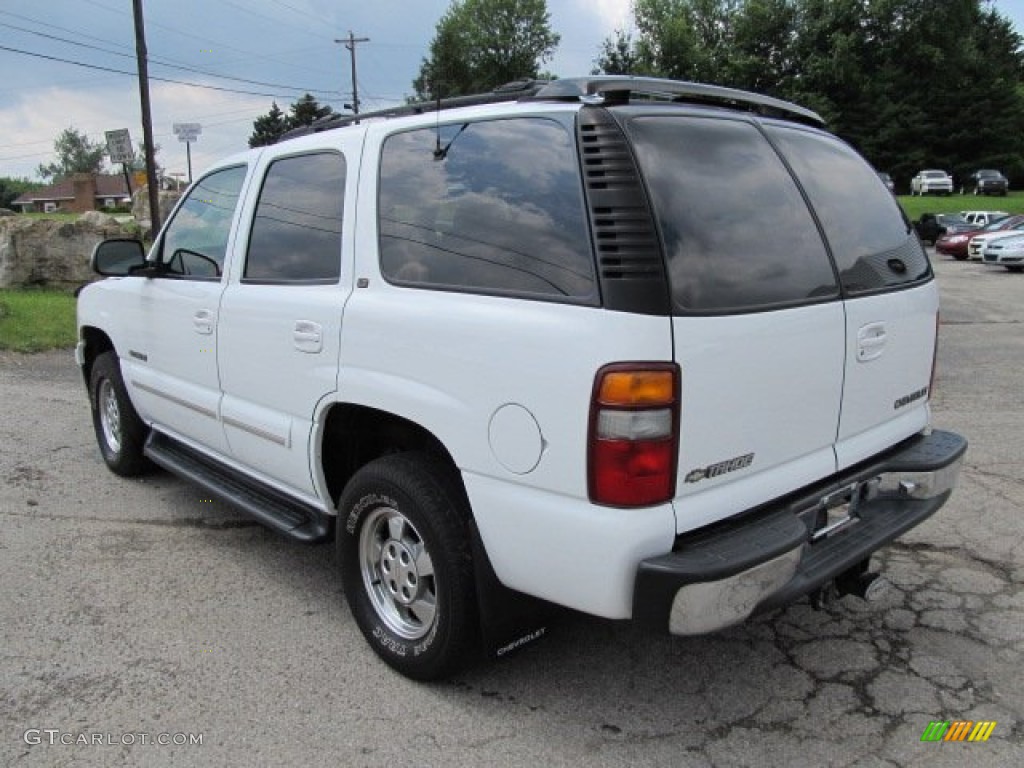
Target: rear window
737, 233
871, 243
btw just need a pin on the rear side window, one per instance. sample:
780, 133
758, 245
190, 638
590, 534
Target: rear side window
737, 233
296, 232
491, 207
871, 243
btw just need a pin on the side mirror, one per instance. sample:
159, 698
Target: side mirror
118, 257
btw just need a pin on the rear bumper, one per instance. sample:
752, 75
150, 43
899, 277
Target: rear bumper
769, 557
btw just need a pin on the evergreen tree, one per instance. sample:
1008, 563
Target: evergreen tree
306, 111
268, 128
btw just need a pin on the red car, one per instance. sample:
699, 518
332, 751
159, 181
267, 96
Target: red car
956, 244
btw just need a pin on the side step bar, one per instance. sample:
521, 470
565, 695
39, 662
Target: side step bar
286, 515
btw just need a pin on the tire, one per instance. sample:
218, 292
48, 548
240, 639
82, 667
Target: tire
1016, 269
960, 257
406, 565
120, 433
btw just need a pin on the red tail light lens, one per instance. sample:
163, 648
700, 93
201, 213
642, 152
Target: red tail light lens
634, 434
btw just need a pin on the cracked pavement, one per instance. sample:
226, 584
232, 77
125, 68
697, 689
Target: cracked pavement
136, 606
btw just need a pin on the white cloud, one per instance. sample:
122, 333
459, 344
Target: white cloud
614, 14
30, 126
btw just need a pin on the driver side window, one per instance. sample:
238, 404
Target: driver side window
195, 243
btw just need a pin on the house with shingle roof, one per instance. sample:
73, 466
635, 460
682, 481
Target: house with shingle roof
78, 193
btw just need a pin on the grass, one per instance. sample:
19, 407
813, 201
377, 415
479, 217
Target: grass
915, 206
36, 320
51, 216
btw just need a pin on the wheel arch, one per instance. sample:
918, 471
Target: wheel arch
353, 435
96, 342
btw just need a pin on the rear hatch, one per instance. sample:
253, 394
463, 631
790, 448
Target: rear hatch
803, 307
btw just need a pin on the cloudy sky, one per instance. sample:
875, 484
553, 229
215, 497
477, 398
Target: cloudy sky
274, 49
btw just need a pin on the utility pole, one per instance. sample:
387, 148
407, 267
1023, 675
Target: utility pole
350, 42
147, 121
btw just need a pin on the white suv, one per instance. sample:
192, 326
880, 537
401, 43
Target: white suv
931, 182
539, 347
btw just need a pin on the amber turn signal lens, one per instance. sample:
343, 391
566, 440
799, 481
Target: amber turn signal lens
637, 388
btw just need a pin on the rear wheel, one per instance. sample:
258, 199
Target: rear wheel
120, 433
1016, 269
406, 566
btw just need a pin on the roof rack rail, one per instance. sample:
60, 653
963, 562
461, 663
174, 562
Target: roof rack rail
604, 89
514, 91
620, 89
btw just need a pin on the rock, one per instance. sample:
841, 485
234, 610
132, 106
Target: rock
140, 205
98, 218
7, 212
51, 253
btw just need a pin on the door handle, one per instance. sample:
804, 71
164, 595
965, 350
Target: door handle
202, 322
871, 341
308, 336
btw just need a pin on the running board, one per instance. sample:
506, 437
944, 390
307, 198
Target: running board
277, 511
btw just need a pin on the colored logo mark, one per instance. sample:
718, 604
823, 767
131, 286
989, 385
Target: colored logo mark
958, 730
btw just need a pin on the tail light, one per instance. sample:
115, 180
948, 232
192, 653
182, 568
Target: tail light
634, 434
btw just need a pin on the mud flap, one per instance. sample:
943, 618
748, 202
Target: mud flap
509, 620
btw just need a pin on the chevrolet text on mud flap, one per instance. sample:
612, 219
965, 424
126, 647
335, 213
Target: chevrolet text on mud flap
503, 375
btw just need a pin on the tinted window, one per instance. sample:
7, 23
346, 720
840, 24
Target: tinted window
296, 232
493, 207
736, 231
195, 242
870, 240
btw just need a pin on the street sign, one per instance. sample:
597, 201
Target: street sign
187, 132
119, 146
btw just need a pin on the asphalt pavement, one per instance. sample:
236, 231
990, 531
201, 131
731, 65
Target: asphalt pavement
138, 618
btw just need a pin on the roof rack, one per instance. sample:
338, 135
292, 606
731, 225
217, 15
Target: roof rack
514, 91
605, 89
621, 89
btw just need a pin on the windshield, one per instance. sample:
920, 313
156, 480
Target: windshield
935, 174
996, 225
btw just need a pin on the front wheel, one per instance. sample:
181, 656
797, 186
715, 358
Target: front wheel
120, 433
406, 566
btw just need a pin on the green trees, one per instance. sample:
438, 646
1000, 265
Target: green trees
911, 84
11, 189
481, 44
268, 128
75, 154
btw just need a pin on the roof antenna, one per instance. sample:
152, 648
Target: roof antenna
439, 153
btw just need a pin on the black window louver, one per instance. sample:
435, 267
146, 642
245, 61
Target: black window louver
629, 257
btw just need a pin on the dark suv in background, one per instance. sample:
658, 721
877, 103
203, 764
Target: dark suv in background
988, 182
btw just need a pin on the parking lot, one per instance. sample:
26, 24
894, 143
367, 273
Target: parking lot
137, 611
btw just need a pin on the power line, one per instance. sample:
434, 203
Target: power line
156, 61
182, 33
134, 74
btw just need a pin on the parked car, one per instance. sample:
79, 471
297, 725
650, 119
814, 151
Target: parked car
511, 353
931, 226
1006, 252
887, 180
982, 218
931, 182
988, 182
977, 243
957, 244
